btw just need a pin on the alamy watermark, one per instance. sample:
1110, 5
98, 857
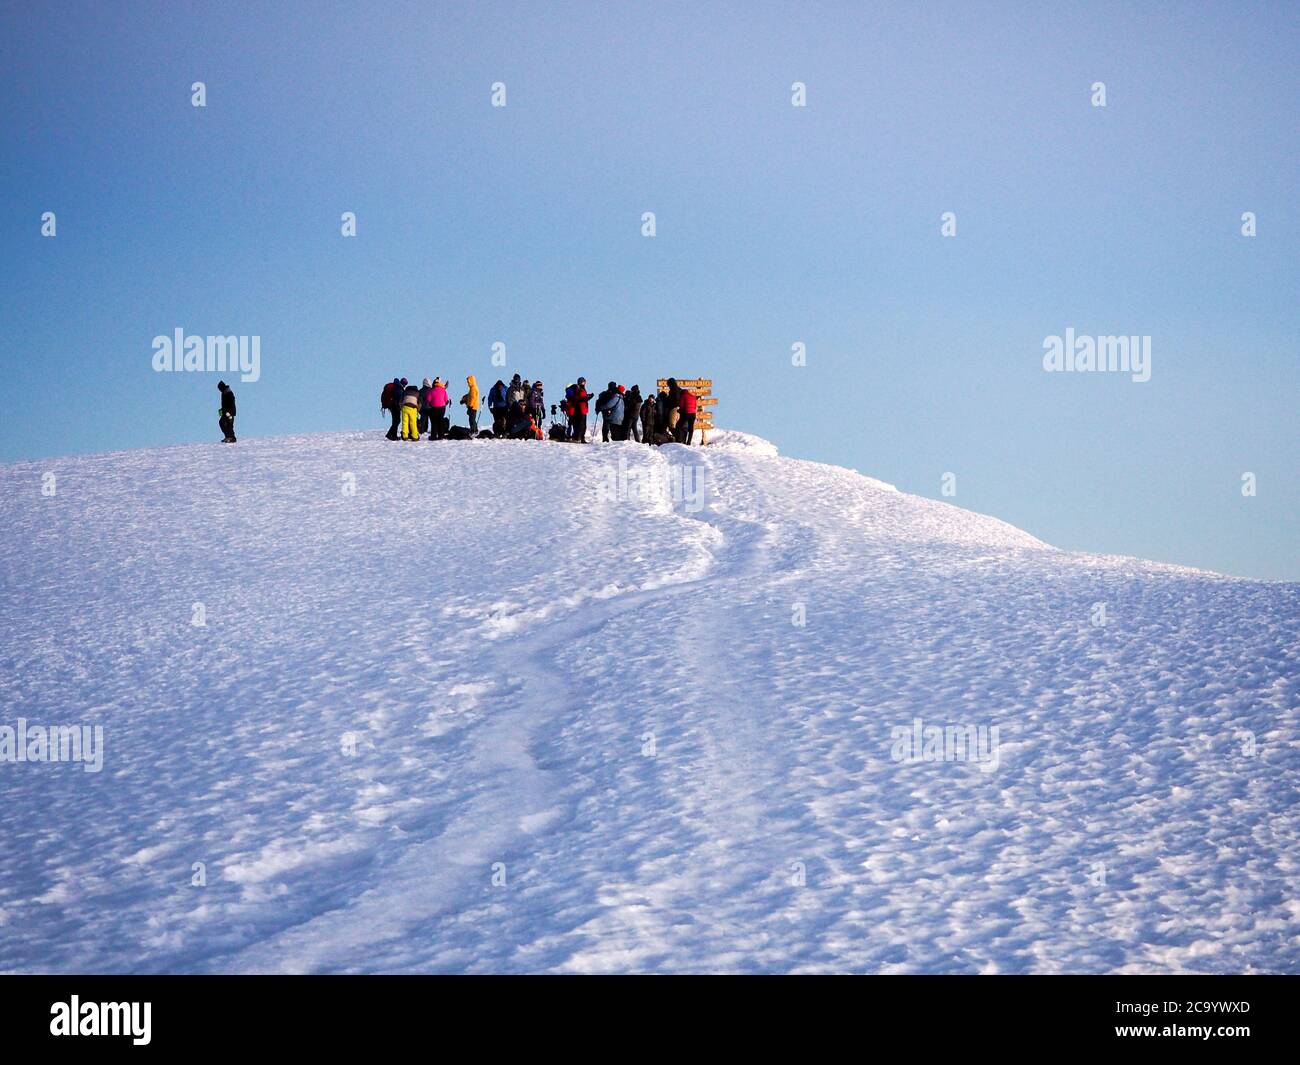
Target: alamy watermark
1089, 354
79, 1018
644, 483
213, 354
53, 743
919, 742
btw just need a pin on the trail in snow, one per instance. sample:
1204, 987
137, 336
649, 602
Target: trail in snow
399, 688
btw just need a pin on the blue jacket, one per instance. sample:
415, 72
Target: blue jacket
612, 406
497, 397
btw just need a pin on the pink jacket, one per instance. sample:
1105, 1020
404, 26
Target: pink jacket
437, 396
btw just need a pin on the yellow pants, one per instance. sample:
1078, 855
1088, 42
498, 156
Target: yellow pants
410, 423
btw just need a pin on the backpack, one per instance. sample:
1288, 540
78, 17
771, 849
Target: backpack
458, 432
557, 433
386, 396
486, 434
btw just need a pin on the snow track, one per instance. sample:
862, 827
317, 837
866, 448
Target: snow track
479, 715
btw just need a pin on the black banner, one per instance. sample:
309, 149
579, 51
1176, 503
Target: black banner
337, 1014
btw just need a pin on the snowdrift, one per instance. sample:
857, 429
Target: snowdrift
496, 706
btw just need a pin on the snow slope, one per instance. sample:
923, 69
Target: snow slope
478, 667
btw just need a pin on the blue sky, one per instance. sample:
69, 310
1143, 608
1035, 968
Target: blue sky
775, 224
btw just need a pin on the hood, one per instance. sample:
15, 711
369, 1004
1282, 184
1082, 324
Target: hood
428, 383
471, 382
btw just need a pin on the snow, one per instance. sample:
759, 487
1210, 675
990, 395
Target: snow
480, 716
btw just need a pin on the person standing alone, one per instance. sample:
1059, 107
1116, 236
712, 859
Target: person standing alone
226, 420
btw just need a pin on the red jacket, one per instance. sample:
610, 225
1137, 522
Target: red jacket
580, 402
688, 401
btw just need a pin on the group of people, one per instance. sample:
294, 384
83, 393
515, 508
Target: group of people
664, 418
518, 411
417, 409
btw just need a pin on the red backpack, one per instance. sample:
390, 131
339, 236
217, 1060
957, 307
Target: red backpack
386, 396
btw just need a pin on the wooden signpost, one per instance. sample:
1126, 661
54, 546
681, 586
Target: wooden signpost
702, 387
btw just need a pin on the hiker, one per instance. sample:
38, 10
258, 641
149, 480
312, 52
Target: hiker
410, 412
537, 403
423, 425
672, 407
498, 405
610, 407
226, 416
618, 430
567, 407
579, 402
632, 414
686, 425
648, 421
470, 402
390, 399
515, 392
436, 398
601, 398
661, 413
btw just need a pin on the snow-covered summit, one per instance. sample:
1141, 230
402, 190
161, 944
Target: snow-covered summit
526, 706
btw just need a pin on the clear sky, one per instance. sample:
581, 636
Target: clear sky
775, 224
